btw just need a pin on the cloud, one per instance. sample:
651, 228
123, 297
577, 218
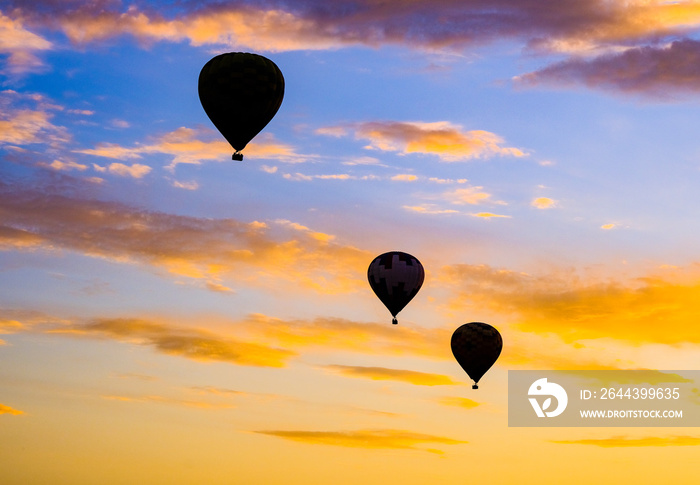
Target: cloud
342, 334
448, 141
192, 185
429, 209
25, 119
135, 170
543, 203
460, 402
21, 46
256, 340
490, 215
467, 196
657, 308
213, 250
579, 29
219, 391
648, 69
190, 146
624, 442
404, 177
4, 409
66, 166
562, 26
384, 374
195, 344
300, 177
370, 438
447, 181
172, 401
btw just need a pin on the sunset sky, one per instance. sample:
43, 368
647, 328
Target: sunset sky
168, 315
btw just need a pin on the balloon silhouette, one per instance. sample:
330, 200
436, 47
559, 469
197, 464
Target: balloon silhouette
395, 278
240, 92
476, 346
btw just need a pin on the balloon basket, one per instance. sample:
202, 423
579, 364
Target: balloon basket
475, 386
237, 156
394, 321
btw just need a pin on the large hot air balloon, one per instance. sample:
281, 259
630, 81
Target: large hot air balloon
395, 278
476, 346
240, 92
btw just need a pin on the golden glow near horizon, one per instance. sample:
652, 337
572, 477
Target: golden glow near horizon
169, 315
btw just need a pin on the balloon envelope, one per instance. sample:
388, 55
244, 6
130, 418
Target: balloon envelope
476, 346
395, 277
240, 92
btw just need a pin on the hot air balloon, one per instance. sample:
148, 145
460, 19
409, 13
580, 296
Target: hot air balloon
240, 92
395, 278
476, 346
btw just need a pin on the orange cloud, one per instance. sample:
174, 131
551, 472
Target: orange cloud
460, 402
566, 26
429, 209
186, 147
649, 69
191, 343
256, 340
8, 410
543, 203
467, 196
208, 249
338, 333
384, 374
652, 309
341, 176
404, 177
490, 215
66, 166
370, 438
580, 29
449, 142
624, 442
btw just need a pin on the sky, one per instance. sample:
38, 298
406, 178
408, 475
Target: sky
168, 315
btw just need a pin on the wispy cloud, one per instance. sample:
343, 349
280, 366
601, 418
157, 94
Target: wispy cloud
490, 215
169, 400
21, 47
297, 176
655, 308
451, 143
25, 119
429, 209
195, 146
625, 442
4, 409
385, 374
135, 170
566, 26
543, 203
256, 340
579, 29
339, 333
370, 438
191, 343
212, 250
467, 196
